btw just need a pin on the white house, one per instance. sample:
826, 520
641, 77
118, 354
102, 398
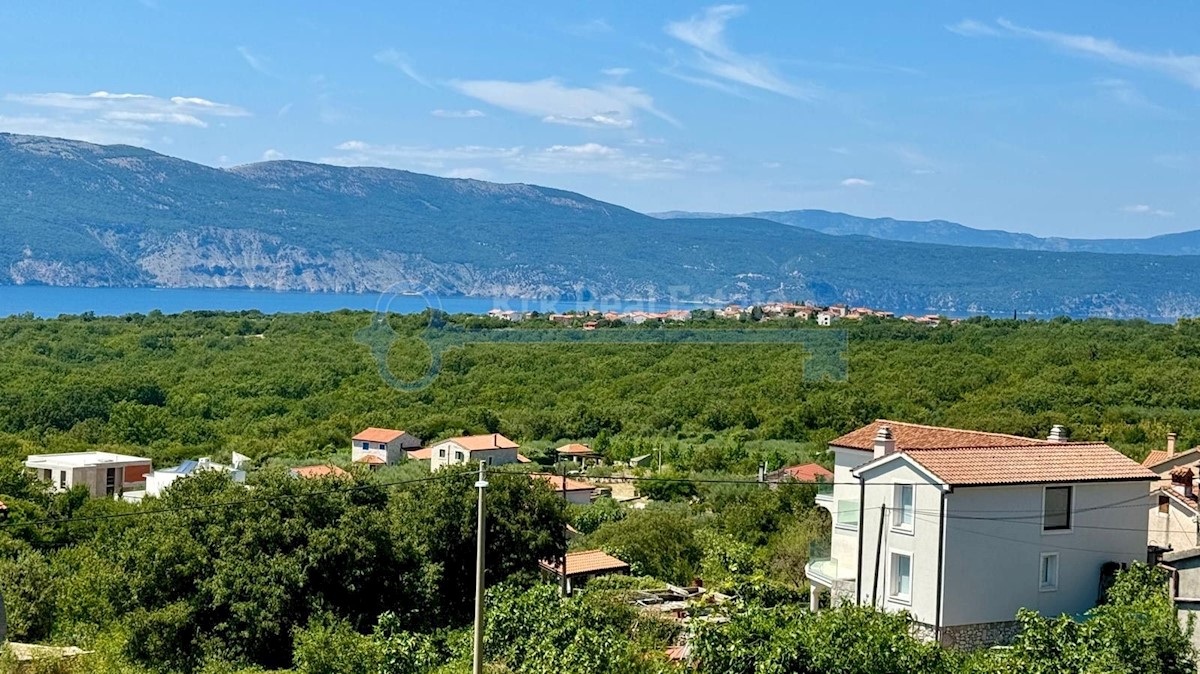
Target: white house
103, 473
825, 319
574, 491
157, 481
1174, 517
382, 446
494, 448
963, 528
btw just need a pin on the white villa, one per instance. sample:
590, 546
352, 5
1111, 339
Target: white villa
382, 446
157, 481
103, 473
494, 448
963, 528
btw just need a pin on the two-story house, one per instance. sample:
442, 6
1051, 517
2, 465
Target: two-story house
962, 528
382, 446
103, 473
494, 448
1174, 522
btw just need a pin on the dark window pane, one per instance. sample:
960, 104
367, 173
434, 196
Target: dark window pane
1057, 510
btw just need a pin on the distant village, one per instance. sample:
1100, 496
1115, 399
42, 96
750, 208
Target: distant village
823, 315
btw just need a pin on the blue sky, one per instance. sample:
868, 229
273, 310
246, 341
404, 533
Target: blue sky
1071, 119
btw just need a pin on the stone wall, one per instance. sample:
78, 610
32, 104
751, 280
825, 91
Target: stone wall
980, 635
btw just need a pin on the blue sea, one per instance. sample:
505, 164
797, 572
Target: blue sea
52, 301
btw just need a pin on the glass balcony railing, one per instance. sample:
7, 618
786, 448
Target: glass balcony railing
822, 567
824, 490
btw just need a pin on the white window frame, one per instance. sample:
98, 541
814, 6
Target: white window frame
442, 453
839, 511
1070, 509
1044, 586
894, 578
458, 456
898, 523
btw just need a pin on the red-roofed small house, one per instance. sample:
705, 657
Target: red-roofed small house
494, 448
584, 565
385, 445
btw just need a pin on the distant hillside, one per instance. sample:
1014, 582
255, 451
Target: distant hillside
72, 213
954, 234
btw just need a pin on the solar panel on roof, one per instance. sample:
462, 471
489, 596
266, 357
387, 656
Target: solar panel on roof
187, 467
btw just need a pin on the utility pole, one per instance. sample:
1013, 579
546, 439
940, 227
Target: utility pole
878, 550
480, 535
562, 577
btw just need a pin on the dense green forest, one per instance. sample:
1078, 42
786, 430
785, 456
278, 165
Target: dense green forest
373, 573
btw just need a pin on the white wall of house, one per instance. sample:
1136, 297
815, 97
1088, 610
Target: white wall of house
65, 471
390, 452
993, 567
1172, 525
449, 453
917, 540
844, 507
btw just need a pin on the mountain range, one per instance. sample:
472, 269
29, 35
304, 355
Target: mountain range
954, 234
78, 214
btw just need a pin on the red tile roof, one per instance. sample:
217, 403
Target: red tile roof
378, 435
575, 448
477, 443
556, 482
587, 562
808, 472
971, 458
917, 436
1025, 464
371, 460
521, 458
319, 471
420, 454
1155, 457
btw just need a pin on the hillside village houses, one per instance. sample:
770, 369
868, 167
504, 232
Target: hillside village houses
158, 480
962, 528
382, 446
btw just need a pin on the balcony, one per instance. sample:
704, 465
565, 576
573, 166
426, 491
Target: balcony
824, 492
822, 568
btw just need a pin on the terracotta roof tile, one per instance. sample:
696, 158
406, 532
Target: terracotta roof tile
1025, 464
917, 436
319, 471
556, 482
575, 448
424, 453
586, 562
1155, 457
521, 458
371, 460
378, 435
477, 443
808, 472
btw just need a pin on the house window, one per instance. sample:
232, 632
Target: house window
902, 510
441, 453
366, 445
382, 445
62, 479
1164, 505
1048, 575
110, 481
458, 456
900, 586
1056, 509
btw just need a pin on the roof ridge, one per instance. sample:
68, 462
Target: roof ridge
967, 430
1087, 443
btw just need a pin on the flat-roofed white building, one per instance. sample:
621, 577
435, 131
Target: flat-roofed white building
103, 473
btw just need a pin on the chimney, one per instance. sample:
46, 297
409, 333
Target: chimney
884, 442
1058, 434
1171, 438
1181, 480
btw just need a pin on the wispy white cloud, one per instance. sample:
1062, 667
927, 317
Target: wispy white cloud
474, 161
705, 33
1144, 209
1182, 67
104, 113
590, 28
856, 182
256, 62
616, 72
457, 114
557, 103
272, 155
400, 61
